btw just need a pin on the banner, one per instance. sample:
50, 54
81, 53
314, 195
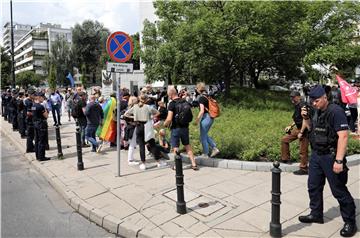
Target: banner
348, 93
71, 79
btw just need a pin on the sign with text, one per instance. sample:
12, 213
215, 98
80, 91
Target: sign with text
119, 67
107, 83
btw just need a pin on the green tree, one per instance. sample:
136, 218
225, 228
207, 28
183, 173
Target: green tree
5, 68
88, 45
83, 77
52, 78
59, 56
28, 78
234, 40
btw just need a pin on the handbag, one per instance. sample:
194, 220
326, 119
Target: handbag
149, 130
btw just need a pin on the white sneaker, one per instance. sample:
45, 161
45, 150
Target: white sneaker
161, 164
98, 149
215, 151
204, 156
132, 162
142, 166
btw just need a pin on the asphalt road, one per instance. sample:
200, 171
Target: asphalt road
30, 207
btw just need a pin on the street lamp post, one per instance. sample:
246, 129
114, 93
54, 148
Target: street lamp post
12, 47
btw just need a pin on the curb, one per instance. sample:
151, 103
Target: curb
256, 166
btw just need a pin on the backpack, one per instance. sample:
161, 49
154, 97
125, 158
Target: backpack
214, 108
75, 111
183, 111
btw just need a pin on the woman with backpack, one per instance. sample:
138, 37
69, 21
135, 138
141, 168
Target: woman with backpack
205, 120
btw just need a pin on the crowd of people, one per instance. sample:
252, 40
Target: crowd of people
145, 119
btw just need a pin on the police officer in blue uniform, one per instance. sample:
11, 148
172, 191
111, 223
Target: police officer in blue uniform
328, 138
30, 132
40, 114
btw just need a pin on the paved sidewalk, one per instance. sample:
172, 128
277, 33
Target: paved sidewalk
142, 203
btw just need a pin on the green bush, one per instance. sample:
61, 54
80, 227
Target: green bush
251, 125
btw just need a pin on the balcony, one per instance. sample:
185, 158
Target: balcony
24, 61
27, 50
31, 67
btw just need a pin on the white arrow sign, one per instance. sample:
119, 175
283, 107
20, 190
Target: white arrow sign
119, 67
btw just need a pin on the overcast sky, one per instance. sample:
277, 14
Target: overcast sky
116, 15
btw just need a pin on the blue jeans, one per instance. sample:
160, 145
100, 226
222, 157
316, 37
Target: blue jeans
206, 140
90, 135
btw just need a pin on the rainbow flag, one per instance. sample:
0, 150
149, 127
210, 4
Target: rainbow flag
107, 131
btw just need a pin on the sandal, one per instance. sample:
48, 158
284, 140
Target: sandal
194, 167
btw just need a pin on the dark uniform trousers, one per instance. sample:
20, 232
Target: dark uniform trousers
321, 167
14, 119
30, 138
40, 139
21, 123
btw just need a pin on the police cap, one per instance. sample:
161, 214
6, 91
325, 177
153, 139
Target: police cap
316, 92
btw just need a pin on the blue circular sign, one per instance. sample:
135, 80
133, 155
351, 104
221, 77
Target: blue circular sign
119, 46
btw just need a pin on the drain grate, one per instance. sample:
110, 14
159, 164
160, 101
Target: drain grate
203, 204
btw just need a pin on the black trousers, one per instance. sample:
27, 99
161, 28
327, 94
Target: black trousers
40, 139
14, 120
30, 138
140, 139
21, 123
321, 167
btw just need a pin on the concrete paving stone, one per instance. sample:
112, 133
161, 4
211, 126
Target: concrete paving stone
128, 230
297, 197
185, 221
157, 185
75, 202
189, 195
110, 181
331, 208
213, 206
102, 200
185, 234
68, 195
287, 185
133, 195
44, 171
97, 216
249, 180
90, 191
232, 233
155, 200
198, 228
85, 209
210, 234
139, 221
229, 187
156, 232
237, 223
171, 228
255, 195
81, 182
98, 169
119, 209
111, 223
213, 192
160, 213
234, 164
257, 217
287, 210
67, 177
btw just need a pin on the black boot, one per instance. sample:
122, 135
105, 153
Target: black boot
311, 219
348, 230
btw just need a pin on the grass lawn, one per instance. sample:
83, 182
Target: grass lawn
251, 125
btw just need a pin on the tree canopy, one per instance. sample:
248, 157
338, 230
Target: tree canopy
231, 40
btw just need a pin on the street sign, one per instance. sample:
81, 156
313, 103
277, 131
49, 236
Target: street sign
119, 67
119, 46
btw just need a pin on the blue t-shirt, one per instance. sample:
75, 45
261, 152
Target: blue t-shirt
338, 119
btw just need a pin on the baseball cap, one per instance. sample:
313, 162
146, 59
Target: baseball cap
294, 94
316, 92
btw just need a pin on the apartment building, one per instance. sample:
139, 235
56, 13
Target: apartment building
19, 31
31, 49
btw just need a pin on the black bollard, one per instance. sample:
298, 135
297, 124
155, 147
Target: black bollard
275, 226
58, 142
180, 204
80, 164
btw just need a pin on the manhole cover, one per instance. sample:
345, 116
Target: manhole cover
203, 204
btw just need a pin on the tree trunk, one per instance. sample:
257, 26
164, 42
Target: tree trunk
241, 79
227, 81
254, 77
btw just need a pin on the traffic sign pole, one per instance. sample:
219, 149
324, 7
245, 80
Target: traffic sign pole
118, 124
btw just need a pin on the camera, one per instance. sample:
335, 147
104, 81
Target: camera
305, 112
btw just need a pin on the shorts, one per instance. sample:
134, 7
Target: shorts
178, 134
